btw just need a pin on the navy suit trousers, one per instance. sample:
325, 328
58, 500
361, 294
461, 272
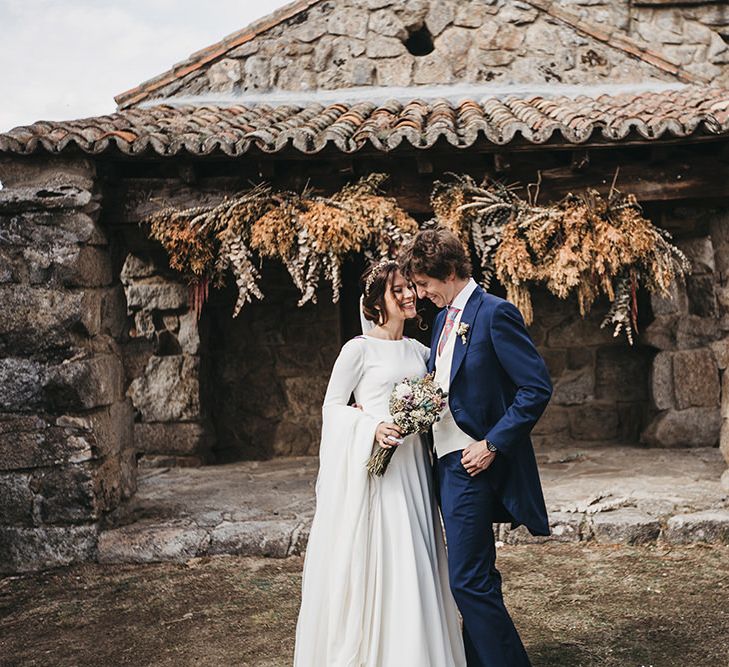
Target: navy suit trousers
468, 504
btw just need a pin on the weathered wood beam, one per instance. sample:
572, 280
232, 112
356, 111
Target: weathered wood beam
188, 172
266, 168
502, 162
580, 159
649, 183
425, 166
130, 201
681, 175
666, 181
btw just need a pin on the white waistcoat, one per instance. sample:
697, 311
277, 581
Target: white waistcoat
447, 436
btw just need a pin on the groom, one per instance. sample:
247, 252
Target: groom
498, 386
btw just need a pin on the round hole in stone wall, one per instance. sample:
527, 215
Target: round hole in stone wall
420, 42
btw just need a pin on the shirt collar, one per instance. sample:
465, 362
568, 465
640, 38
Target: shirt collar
461, 299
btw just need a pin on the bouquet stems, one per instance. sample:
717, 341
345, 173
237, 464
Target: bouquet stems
380, 460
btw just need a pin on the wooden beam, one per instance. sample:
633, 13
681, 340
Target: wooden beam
187, 172
424, 165
680, 175
579, 160
502, 162
667, 181
266, 168
649, 183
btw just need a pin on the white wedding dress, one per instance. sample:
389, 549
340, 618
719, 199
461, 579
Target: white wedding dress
375, 587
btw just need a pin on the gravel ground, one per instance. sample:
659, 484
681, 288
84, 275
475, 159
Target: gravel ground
574, 605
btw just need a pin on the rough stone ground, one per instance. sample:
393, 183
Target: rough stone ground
608, 495
575, 605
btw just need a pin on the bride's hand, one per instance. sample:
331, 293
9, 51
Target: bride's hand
385, 429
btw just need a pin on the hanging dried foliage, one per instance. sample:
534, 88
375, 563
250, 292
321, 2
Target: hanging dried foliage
311, 235
476, 214
585, 245
204, 241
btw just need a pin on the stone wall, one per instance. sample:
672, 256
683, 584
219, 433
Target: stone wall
66, 455
601, 393
163, 367
690, 333
269, 369
692, 35
671, 388
689, 378
224, 389
349, 43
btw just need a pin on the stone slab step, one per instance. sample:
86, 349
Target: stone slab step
610, 495
628, 526
179, 541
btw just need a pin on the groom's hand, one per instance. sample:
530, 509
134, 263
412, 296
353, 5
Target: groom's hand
477, 457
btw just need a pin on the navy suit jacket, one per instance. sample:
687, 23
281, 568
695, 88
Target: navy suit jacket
499, 388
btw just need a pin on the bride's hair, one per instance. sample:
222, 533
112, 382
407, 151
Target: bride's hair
374, 283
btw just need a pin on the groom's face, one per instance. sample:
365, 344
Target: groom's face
440, 292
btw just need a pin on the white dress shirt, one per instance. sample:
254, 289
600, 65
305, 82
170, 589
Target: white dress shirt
448, 437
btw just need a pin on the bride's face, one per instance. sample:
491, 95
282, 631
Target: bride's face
400, 298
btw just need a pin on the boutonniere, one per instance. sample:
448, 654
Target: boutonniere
462, 331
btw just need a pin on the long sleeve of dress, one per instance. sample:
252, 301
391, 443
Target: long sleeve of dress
333, 588
346, 374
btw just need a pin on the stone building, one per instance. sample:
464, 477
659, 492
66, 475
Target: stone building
103, 365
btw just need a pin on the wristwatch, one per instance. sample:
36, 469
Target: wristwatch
491, 447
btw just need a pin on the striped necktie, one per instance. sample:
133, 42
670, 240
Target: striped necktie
450, 321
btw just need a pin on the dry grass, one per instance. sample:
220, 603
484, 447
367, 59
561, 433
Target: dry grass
574, 606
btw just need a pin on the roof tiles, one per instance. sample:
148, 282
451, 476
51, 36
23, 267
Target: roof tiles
350, 127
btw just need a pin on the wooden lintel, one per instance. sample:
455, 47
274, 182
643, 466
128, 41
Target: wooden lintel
502, 162
187, 172
681, 177
660, 153
424, 164
669, 181
266, 168
580, 159
346, 168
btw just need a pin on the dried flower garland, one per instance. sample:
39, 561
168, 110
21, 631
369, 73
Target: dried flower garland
585, 244
476, 214
310, 235
204, 241
313, 235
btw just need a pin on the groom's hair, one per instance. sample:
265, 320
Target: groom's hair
436, 253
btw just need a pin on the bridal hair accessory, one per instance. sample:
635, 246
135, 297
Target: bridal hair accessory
462, 331
375, 271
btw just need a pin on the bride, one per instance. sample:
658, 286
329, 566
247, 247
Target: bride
375, 587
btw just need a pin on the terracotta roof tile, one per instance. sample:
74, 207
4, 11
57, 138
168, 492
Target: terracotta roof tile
309, 128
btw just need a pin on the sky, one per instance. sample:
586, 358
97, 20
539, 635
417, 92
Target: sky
64, 60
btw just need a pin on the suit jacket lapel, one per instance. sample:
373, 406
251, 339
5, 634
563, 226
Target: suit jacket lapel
437, 329
469, 315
